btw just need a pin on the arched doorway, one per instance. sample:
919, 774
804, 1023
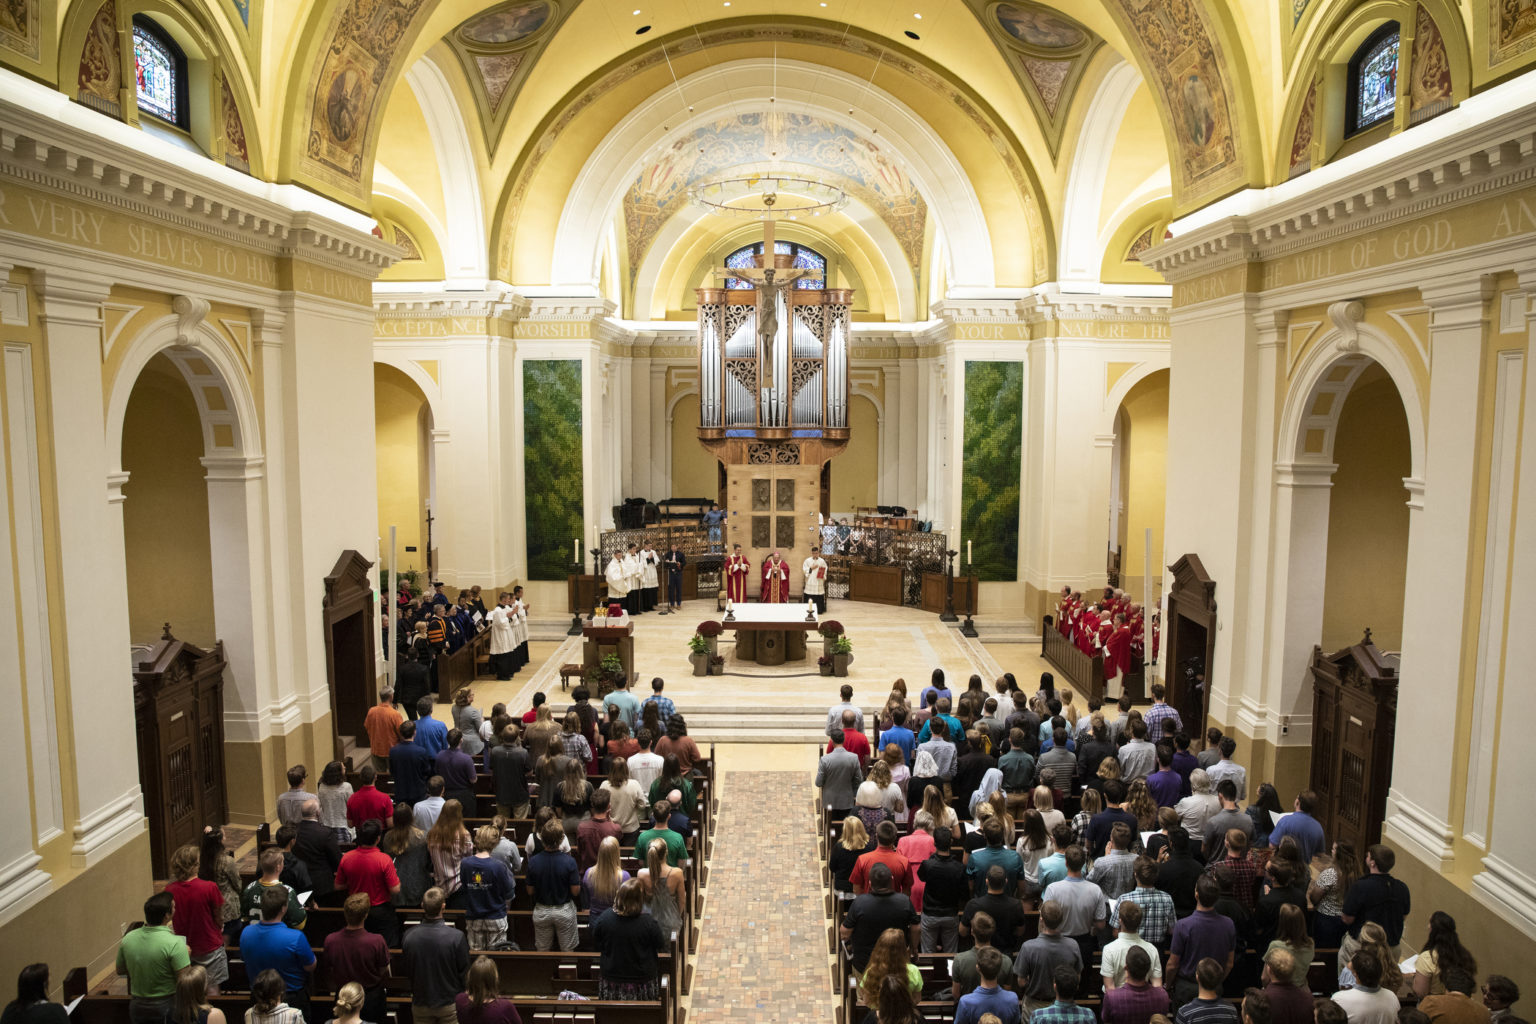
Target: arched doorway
1350, 452
189, 483
1138, 477
403, 432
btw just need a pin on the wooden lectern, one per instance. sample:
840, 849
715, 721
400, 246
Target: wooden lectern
602, 637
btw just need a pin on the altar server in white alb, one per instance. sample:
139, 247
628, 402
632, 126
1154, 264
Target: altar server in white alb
503, 634
618, 580
815, 572
649, 560
632, 579
520, 610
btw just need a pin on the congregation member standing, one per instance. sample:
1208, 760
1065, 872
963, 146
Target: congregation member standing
150, 956
837, 776
674, 563
436, 961
382, 724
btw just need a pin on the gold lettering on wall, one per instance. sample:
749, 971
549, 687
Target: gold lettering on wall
532, 330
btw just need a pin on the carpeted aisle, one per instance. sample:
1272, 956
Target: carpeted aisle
763, 946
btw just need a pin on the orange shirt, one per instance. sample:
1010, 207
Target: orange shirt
383, 728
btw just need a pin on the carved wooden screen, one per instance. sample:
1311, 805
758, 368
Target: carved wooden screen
1354, 716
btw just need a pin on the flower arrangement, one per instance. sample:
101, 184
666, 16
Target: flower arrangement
842, 645
717, 659
612, 665
697, 644
710, 629
830, 628
823, 660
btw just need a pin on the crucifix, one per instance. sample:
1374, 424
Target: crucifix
771, 284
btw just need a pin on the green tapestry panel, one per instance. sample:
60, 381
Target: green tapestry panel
989, 484
551, 463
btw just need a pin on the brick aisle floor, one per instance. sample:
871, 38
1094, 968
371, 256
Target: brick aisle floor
763, 948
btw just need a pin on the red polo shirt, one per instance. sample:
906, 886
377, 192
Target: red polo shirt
367, 803
367, 869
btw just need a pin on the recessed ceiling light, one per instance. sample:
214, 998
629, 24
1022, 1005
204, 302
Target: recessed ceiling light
919, 17
635, 11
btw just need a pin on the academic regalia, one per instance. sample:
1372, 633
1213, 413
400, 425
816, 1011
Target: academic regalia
775, 580
675, 562
736, 569
649, 559
815, 572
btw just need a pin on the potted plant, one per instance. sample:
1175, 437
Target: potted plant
830, 630
842, 654
710, 630
698, 654
717, 664
825, 664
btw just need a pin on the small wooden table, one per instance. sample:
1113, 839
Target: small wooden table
771, 634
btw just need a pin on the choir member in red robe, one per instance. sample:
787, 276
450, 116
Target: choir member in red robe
736, 568
1157, 621
1088, 630
1063, 609
1138, 624
775, 580
1117, 655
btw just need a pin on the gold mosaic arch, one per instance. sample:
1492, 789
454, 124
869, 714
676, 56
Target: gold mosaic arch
779, 32
1046, 51
1189, 55
338, 90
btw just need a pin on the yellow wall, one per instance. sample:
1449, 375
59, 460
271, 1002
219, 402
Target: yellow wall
695, 472
1143, 483
165, 516
855, 473
1368, 518
399, 418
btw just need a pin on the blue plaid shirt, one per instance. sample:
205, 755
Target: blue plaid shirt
1154, 719
1062, 1013
1157, 914
665, 709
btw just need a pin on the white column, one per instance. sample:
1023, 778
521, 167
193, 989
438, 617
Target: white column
1507, 883
241, 601
21, 882
92, 573
642, 451
1295, 606
906, 426
660, 432
1439, 554
286, 658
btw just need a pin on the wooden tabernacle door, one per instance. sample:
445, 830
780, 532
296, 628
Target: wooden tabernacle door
1354, 719
178, 707
1190, 635
350, 637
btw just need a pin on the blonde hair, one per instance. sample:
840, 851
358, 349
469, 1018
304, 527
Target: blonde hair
607, 873
1043, 801
656, 859
184, 863
349, 999
1374, 937
1092, 801
880, 774
1109, 768
854, 836
934, 805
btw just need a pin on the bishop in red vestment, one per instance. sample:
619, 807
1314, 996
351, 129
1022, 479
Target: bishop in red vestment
775, 579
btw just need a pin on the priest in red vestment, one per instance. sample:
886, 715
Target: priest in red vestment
775, 579
736, 568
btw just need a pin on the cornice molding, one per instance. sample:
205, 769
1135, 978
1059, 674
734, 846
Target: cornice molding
1470, 154
70, 160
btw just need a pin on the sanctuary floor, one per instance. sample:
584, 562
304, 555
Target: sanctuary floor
783, 703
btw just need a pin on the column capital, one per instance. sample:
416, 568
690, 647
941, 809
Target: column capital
219, 468
1103, 440
1271, 325
1415, 488
1305, 474
1458, 303
70, 298
115, 483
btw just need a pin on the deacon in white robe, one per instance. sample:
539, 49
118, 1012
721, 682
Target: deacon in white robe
520, 610
815, 571
632, 580
649, 560
618, 580
502, 638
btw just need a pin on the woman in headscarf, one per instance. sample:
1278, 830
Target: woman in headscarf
925, 773
991, 782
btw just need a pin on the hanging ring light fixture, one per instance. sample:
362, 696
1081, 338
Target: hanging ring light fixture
768, 197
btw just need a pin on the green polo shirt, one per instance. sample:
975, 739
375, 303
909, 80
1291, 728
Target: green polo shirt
677, 849
151, 956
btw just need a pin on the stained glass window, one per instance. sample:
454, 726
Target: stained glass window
1373, 80
804, 257
161, 70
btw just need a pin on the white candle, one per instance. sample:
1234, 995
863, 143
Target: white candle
967, 552
576, 550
